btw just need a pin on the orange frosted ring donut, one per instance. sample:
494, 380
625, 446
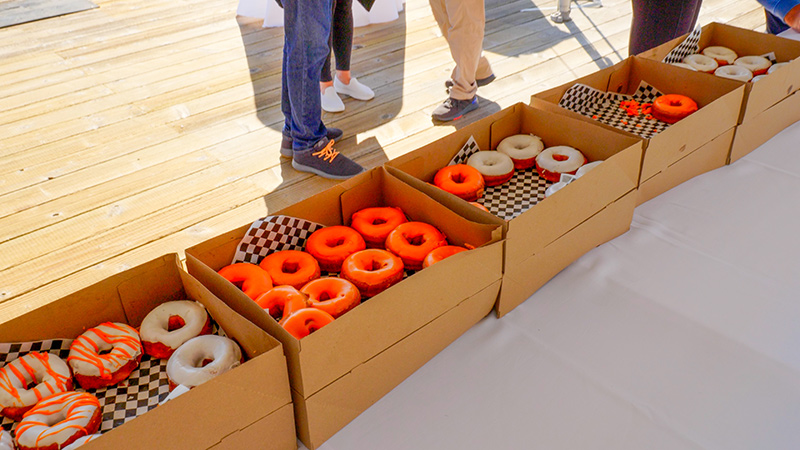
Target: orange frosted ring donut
497, 168
251, 278
461, 180
45, 373
335, 296
372, 270
170, 324
412, 241
306, 321
281, 301
722, 55
671, 108
375, 223
331, 245
553, 161
59, 420
291, 267
441, 253
104, 355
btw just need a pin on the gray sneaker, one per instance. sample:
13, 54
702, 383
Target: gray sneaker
286, 143
453, 109
325, 161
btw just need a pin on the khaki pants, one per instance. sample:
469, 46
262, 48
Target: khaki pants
462, 23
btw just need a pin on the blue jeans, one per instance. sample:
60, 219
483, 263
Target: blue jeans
307, 28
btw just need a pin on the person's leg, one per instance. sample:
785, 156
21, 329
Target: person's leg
344, 82
465, 39
658, 21
774, 23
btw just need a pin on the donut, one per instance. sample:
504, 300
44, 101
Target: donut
734, 72
80, 441
497, 168
684, 65
671, 108
6, 441
701, 63
758, 78
335, 296
59, 420
372, 270
202, 358
479, 206
412, 241
375, 223
522, 148
291, 267
553, 161
45, 373
306, 321
461, 180
170, 324
331, 245
775, 67
440, 253
281, 301
758, 65
92, 367
252, 279
722, 55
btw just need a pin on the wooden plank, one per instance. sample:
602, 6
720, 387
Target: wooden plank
15, 12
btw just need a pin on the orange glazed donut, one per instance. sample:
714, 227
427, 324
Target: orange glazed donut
412, 241
93, 367
331, 245
59, 420
671, 108
45, 373
306, 321
335, 296
461, 180
440, 253
372, 270
375, 223
252, 279
282, 301
291, 267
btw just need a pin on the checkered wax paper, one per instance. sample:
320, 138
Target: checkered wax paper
507, 201
605, 107
140, 392
688, 47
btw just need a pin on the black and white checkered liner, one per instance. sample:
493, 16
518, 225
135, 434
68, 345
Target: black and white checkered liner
605, 107
140, 392
271, 234
688, 47
507, 201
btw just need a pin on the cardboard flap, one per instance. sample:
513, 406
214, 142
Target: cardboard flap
158, 279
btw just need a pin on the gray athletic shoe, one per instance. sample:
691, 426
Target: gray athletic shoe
453, 109
325, 161
286, 143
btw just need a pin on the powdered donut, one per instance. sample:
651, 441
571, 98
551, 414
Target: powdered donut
522, 148
45, 373
758, 65
170, 324
734, 72
202, 358
722, 55
701, 63
496, 168
553, 161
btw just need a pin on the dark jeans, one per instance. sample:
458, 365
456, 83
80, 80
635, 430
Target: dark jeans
341, 41
775, 24
306, 27
658, 21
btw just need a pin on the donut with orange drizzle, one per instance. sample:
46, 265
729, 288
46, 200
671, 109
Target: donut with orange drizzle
59, 420
48, 374
92, 367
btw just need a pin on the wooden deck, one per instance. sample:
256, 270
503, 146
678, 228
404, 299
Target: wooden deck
144, 127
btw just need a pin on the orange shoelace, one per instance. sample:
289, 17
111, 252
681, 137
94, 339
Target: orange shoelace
328, 153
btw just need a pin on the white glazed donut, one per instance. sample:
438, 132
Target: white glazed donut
522, 148
58, 420
685, 65
701, 63
586, 168
734, 72
6, 441
82, 440
553, 161
722, 55
758, 78
93, 370
756, 64
202, 358
775, 67
49, 373
170, 324
496, 168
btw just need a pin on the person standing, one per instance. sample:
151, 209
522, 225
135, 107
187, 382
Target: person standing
462, 24
655, 22
781, 15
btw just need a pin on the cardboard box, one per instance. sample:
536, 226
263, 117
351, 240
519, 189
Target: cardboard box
341, 369
765, 93
548, 222
719, 101
247, 407
759, 129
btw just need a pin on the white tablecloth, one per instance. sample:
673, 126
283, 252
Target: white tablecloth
683, 333
382, 11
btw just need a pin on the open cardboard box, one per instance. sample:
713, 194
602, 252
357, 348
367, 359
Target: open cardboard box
247, 407
608, 190
340, 370
719, 101
765, 93
761, 128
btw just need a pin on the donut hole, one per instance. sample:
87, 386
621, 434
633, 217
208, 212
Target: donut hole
675, 103
458, 178
325, 295
31, 385
415, 240
374, 265
206, 361
175, 323
311, 325
560, 157
335, 242
104, 350
290, 267
378, 221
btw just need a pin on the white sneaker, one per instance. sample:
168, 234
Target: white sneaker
355, 89
330, 101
